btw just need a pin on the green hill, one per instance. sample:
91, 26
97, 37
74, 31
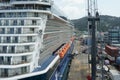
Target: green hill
105, 22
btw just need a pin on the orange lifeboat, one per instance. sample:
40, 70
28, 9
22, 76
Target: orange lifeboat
61, 54
64, 49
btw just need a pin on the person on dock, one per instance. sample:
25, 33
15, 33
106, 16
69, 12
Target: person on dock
89, 77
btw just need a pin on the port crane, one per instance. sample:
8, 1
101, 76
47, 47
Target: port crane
93, 19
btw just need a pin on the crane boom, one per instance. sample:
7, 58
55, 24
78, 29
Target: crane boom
93, 18
92, 7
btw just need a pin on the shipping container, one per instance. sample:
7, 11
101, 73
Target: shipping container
112, 51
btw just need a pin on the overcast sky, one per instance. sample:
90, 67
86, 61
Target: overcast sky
75, 9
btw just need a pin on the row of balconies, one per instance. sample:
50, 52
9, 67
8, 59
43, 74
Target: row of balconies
16, 50
14, 63
20, 14
15, 60
32, 0
17, 39
115, 35
20, 23
3, 75
18, 31
19, 51
8, 1
14, 72
25, 8
25, 0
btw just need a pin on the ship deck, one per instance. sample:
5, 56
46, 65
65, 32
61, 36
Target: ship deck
45, 64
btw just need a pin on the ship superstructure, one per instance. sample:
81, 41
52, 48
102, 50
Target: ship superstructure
30, 32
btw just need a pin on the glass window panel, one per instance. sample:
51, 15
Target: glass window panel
0, 23
14, 22
8, 39
6, 23
22, 22
11, 30
4, 49
2, 30
15, 39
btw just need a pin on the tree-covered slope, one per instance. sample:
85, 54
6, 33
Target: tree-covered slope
105, 22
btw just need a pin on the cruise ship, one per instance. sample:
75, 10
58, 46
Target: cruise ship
32, 32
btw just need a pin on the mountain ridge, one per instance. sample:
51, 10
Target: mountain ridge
106, 22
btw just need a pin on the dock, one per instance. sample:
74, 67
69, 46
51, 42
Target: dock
79, 66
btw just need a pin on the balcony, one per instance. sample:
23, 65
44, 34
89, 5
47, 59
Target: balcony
21, 62
24, 51
28, 32
5, 62
27, 41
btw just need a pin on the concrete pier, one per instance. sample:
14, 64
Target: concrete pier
79, 67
